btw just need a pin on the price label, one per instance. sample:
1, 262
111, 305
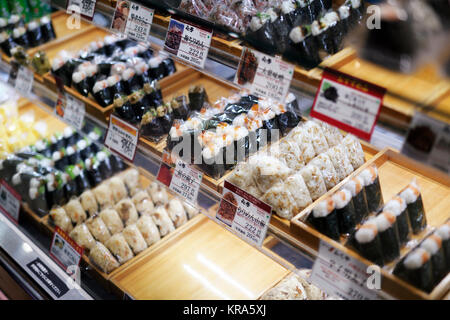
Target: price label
180, 177
122, 138
428, 141
188, 42
21, 78
246, 215
86, 8
133, 19
340, 275
64, 250
9, 201
71, 110
264, 75
348, 103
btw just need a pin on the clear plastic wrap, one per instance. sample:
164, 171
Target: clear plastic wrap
89, 203
314, 181
143, 202
134, 238
81, 235
119, 248
98, 229
102, 258
127, 211
59, 218
75, 211
176, 212
112, 220
148, 229
117, 188
162, 221
158, 193
325, 165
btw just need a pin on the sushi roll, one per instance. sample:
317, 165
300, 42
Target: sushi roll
102, 93
355, 186
47, 30
444, 233
180, 107
344, 16
262, 33
20, 37
433, 245
325, 165
303, 47
197, 97
345, 211
413, 198
314, 181
397, 206
6, 43
388, 230
341, 162
372, 188
34, 34
325, 219
416, 269
80, 82
367, 242
115, 86
354, 151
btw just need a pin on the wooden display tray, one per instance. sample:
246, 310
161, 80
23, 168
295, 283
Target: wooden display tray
59, 19
395, 172
203, 262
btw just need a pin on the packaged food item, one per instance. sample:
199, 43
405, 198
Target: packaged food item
367, 242
127, 211
345, 211
119, 248
176, 212
81, 235
148, 229
324, 218
89, 203
372, 188
314, 181
162, 221
112, 220
75, 211
433, 245
413, 198
134, 238
390, 242
355, 186
98, 229
59, 218
397, 206
102, 258
416, 269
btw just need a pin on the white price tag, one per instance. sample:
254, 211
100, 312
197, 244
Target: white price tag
122, 138
189, 43
64, 250
348, 103
71, 110
340, 275
23, 81
132, 19
9, 201
246, 215
84, 7
180, 177
264, 75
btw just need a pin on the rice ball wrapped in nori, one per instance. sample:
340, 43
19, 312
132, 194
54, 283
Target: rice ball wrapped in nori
169, 67
444, 233
7, 43
290, 15
388, 230
397, 206
20, 37
334, 30
372, 188
345, 211
433, 245
355, 186
344, 16
180, 107
104, 164
80, 82
325, 165
47, 30
314, 181
197, 97
102, 93
37, 197
137, 105
285, 114
416, 269
413, 198
307, 12
303, 47
156, 69
123, 109
130, 81
324, 218
115, 86
367, 242
152, 94
142, 74
262, 32
34, 34
341, 162
354, 151
212, 159
356, 11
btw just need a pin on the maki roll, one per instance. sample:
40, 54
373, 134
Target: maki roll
325, 219
20, 37
115, 86
169, 67
60, 159
197, 97
367, 242
397, 206
47, 30
390, 242
345, 211
416, 269
444, 233
303, 47
413, 198
262, 33
180, 107
34, 34
6, 43
80, 82
433, 245
355, 186
102, 93
123, 109
55, 192
156, 68
129, 81
372, 188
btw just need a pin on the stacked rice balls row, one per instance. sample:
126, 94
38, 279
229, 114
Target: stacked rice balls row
299, 169
118, 219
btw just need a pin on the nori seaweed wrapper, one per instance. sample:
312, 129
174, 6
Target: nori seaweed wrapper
214, 166
326, 224
417, 215
7, 44
439, 267
138, 107
281, 28
35, 37
93, 173
152, 94
8, 166
83, 87
104, 96
123, 109
263, 38
197, 97
151, 126
104, 165
305, 52
47, 30
180, 107
39, 204
421, 277
346, 217
389, 238
373, 195
169, 67
157, 72
371, 250
404, 227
